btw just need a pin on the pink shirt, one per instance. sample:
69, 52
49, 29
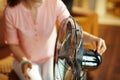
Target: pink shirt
36, 38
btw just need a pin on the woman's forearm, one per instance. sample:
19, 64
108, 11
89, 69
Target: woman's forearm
88, 37
18, 53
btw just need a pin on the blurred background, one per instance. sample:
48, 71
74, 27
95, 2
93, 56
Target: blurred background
98, 17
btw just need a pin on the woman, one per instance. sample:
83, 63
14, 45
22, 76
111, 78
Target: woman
31, 35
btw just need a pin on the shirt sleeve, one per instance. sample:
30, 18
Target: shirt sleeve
10, 30
62, 11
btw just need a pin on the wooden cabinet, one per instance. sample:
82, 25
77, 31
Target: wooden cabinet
88, 23
2, 6
87, 19
113, 7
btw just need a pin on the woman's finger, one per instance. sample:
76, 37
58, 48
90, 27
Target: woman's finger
101, 46
98, 45
25, 68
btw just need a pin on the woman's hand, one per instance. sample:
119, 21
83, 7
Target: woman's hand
99, 45
96, 42
26, 66
24, 62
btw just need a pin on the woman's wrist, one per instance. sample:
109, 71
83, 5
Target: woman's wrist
24, 61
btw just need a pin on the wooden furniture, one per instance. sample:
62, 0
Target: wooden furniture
87, 19
113, 8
